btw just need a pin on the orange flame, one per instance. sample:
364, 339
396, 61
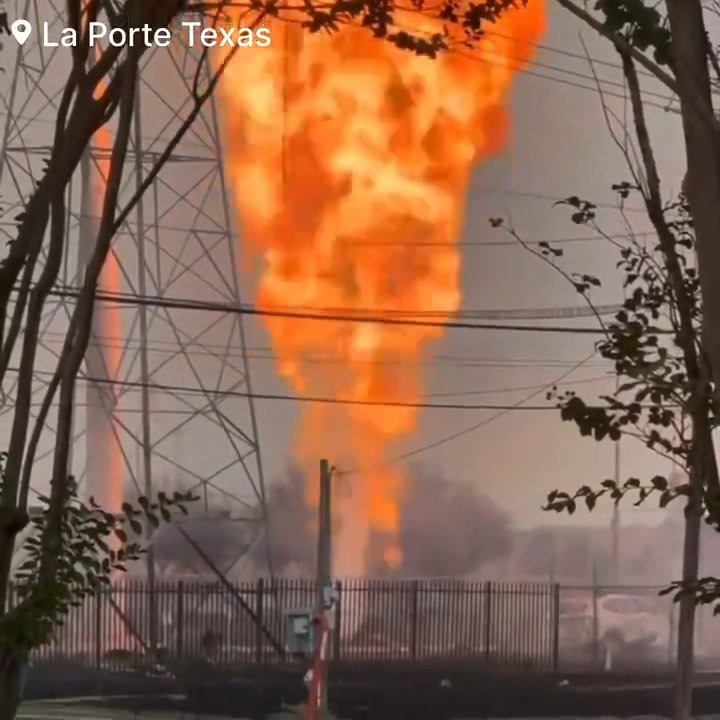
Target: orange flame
107, 329
349, 161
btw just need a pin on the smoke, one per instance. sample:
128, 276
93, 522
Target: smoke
223, 539
292, 524
446, 528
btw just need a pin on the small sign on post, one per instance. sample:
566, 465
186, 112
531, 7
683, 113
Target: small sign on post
299, 632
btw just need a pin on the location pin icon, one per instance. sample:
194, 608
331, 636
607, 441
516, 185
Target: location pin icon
21, 30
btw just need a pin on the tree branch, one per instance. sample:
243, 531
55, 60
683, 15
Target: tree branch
698, 376
83, 313
688, 95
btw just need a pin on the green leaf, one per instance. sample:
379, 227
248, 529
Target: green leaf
665, 499
136, 527
121, 535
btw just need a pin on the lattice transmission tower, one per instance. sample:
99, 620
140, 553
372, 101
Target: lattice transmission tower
165, 393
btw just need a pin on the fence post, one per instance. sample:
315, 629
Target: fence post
414, 599
672, 641
595, 625
488, 620
337, 635
556, 628
180, 620
259, 597
98, 629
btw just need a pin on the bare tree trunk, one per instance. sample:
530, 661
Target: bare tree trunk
704, 466
690, 81
689, 45
13, 666
702, 460
685, 664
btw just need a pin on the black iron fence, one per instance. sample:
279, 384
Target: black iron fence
535, 627
501, 624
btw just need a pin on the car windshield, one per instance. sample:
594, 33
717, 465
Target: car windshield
628, 605
574, 607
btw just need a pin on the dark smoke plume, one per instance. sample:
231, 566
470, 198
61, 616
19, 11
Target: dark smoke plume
447, 529
220, 535
292, 525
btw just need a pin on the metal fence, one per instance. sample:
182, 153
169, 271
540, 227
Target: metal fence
501, 624
520, 625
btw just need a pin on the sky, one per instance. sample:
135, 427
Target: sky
560, 146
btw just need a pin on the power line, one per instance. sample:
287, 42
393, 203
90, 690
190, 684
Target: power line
506, 390
562, 51
186, 389
667, 100
131, 226
472, 428
543, 196
541, 46
185, 304
554, 68
459, 393
499, 243
521, 68
258, 352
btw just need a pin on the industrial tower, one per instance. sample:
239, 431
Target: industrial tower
165, 394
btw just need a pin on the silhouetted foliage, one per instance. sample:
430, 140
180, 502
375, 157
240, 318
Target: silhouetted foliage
664, 397
89, 547
463, 22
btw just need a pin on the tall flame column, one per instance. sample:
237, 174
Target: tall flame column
349, 161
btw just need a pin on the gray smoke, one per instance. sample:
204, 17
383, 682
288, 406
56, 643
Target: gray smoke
220, 536
292, 525
447, 528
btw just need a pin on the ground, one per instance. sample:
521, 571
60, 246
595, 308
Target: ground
50, 710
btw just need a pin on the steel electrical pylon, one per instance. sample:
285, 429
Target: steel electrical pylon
165, 394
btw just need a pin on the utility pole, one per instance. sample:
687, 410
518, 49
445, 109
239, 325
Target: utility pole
146, 443
324, 569
615, 523
318, 699
685, 664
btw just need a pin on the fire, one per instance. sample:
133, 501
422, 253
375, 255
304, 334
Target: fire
349, 161
105, 472
108, 326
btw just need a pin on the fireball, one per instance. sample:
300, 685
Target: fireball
349, 161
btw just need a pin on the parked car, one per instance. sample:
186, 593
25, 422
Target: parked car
631, 621
624, 622
575, 623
